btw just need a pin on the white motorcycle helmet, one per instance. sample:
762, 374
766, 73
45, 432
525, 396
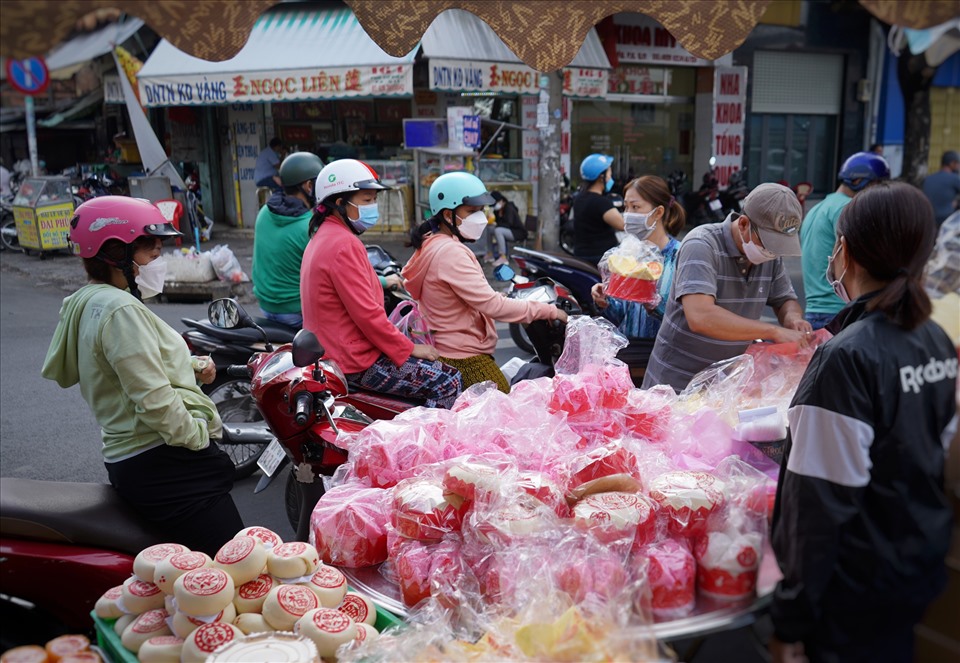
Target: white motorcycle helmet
345, 176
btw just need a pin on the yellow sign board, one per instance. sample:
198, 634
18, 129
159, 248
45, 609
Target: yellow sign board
26, 227
53, 223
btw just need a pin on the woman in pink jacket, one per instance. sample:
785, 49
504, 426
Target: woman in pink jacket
445, 277
343, 300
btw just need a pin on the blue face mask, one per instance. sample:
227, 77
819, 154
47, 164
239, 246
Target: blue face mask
369, 215
608, 185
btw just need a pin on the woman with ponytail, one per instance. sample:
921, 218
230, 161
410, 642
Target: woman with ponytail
862, 526
651, 214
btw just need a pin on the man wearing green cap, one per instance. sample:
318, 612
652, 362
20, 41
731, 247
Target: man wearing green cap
281, 238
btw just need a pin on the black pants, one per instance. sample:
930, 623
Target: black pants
186, 493
865, 637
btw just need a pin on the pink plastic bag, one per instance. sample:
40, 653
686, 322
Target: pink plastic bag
407, 318
348, 526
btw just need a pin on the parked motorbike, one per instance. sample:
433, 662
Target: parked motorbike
732, 197
8, 225
703, 205
231, 394
546, 337
574, 274
546, 340
62, 545
307, 402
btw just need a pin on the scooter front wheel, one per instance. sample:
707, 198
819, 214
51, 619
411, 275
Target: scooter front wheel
236, 404
519, 336
8, 234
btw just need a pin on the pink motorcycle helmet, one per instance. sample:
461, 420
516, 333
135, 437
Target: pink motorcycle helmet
115, 217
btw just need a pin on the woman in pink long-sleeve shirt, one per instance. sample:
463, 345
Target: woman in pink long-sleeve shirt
445, 277
343, 300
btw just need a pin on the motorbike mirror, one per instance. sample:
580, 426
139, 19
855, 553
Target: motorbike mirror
503, 273
307, 349
228, 314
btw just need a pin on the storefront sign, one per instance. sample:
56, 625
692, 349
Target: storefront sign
642, 39
287, 85
729, 96
471, 131
112, 92
245, 121
585, 83
494, 77
455, 118
631, 79
470, 76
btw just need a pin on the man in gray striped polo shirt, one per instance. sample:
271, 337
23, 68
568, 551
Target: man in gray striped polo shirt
726, 274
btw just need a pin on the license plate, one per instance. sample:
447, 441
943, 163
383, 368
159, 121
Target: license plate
271, 458
716, 205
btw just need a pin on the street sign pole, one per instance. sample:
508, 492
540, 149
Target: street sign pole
31, 135
31, 77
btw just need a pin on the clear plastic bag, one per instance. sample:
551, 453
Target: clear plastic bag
631, 271
226, 265
407, 318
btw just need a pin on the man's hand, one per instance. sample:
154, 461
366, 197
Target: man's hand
599, 298
784, 335
786, 652
797, 323
394, 282
427, 352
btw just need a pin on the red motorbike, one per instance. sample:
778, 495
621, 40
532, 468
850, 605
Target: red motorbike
307, 403
63, 544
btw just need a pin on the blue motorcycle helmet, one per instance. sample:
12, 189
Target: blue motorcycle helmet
451, 190
863, 168
594, 166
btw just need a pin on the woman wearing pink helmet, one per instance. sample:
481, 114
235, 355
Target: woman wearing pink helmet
343, 301
136, 374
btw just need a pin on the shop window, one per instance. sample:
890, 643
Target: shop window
644, 138
792, 148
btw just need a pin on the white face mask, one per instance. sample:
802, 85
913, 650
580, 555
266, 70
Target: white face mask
755, 254
498, 206
636, 223
837, 282
150, 277
471, 226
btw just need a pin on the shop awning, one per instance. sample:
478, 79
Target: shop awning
92, 45
81, 106
466, 55
290, 56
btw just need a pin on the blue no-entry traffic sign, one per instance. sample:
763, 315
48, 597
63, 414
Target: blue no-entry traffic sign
28, 76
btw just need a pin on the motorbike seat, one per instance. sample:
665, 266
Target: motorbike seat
362, 393
246, 336
89, 514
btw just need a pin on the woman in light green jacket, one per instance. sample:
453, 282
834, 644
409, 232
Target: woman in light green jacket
136, 374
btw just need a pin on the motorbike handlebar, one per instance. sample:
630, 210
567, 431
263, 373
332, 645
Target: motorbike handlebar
303, 406
239, 371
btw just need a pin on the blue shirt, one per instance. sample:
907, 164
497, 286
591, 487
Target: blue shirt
942, 188
633, 319
818, 236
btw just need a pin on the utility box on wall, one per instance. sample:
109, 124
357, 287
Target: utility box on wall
150, 188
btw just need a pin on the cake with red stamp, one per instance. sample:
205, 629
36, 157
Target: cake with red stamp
286, 604
687, 499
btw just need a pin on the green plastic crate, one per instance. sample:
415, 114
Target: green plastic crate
109, 641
